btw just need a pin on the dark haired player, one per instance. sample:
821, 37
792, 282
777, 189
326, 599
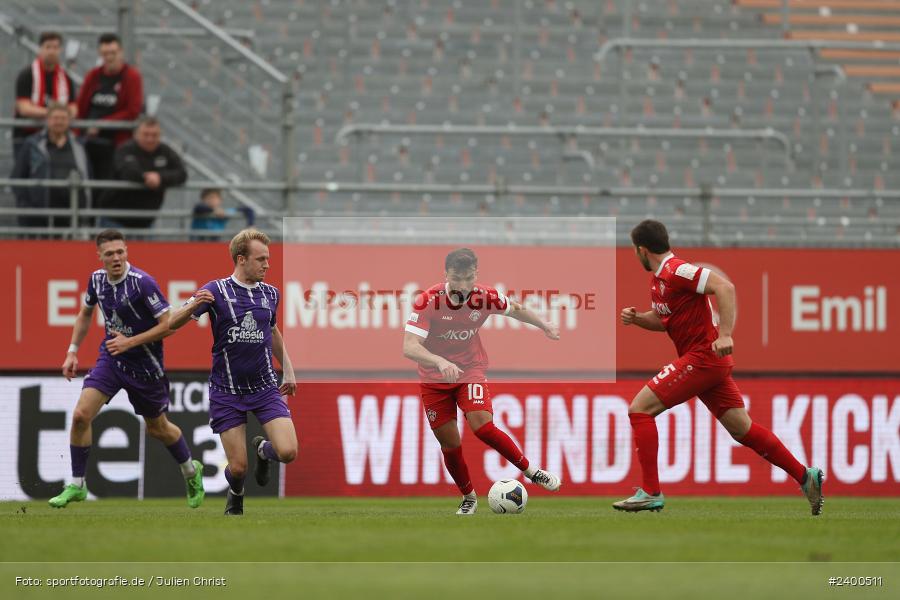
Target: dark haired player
678, 293
442, 337
131, 358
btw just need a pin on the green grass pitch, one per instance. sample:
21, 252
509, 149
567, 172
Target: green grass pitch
417, 548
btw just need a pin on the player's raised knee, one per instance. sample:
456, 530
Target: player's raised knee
287, 455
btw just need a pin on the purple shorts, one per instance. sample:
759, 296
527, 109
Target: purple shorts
149, 397
227, 411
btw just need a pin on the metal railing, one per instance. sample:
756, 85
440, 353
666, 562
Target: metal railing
215, 180
706, 222
811, 46
74, 123
152, 31
286, 82
125, 10
736, 44
567, 133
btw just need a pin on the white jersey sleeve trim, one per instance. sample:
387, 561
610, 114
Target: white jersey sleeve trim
416, 330
701, 283
162, 311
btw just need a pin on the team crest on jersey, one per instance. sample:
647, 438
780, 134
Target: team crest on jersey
475, 315
265, 302
248, 332
662, 288
431, 414
116, 324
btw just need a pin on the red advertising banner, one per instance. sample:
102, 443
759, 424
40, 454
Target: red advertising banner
357, 298
373, 439
798, 310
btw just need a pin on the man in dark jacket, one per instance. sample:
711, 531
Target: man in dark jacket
148, 161
52, 153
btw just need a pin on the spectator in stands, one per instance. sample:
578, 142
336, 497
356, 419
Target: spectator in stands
210, 215
38, 85
52, 153
146, 160
114, 91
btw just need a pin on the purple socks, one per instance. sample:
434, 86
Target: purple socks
269, 451
236, 483
79, 456
180, 451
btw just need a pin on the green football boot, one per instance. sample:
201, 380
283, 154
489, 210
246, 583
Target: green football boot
195, 493
813, 489
641, 501
70, 493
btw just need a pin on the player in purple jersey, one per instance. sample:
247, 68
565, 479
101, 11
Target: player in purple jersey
131, 358
242, 312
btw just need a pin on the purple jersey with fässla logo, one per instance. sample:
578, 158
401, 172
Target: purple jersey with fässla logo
130, 305
242, 317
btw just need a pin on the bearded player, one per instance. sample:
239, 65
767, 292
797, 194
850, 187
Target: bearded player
131, 358
442, 337
242, 311
678, 293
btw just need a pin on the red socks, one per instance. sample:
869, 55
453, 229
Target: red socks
456, 464
493, 437
767, 445
646, 441
758, 438
502, 443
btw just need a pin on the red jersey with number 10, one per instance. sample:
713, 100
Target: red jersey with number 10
678, 297
451, 330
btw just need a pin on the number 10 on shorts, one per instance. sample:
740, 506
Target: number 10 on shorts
476, 391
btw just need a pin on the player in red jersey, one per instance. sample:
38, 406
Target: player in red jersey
680, 307
442, 337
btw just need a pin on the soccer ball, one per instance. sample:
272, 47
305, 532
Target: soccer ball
507, 496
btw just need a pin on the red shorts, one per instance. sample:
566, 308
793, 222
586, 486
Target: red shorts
441, 399
690, 376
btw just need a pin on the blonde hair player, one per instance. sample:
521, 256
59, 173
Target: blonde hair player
243, 314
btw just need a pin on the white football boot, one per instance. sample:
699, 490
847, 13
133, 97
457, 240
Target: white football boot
545, 479
469, 505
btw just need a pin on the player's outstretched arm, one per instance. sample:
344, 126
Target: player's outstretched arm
520, 313
414, 349
82, 325
725, 298
181, 316
121, 343
289, 384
